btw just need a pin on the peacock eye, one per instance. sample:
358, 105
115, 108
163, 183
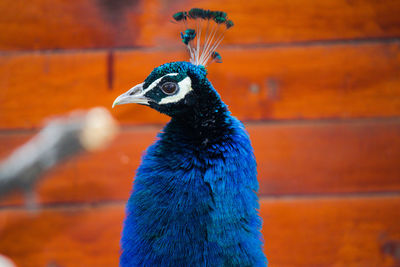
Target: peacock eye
169, 88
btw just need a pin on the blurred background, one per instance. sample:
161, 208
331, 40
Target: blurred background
317, 84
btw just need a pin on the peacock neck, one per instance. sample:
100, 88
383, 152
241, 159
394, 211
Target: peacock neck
208, 119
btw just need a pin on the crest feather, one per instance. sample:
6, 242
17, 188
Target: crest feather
202, 33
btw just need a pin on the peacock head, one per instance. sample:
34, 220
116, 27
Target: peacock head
172, 88
182, 87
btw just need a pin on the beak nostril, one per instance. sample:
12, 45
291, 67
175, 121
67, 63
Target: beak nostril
135, 90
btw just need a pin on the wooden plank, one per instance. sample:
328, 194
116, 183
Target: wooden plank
297, 232
332, 232
80, 236
278, 83
269, 21
293, 158
319, 82
341, 157
36, 86
47, 24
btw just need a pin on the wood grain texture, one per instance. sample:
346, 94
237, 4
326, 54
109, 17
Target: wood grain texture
306, 232
332, 232
323, 158
317, 83
36, 86
81, 236
293, 159
269, 21
47, 24
277, 83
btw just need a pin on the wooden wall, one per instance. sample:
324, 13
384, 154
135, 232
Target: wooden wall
316, 82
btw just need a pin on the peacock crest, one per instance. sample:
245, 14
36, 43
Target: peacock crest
203, 31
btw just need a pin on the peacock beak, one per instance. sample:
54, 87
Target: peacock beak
133, 95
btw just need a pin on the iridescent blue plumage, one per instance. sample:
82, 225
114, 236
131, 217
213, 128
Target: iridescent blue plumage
194, 199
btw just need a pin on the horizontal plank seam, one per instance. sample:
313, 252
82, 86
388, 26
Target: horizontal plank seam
66, 206
323, 121
121, 203
310, 43
318, 196
316, 43
274, 122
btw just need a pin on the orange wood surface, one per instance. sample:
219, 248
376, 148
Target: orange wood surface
82, 236
343, 157
332, 231
293, 158
49, 24
270, 21
278, 83
317, 84
305, 232
58, 24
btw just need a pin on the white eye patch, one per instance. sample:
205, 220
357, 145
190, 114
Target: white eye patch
155, 83
185, 86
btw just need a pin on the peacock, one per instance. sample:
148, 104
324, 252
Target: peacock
193, 201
